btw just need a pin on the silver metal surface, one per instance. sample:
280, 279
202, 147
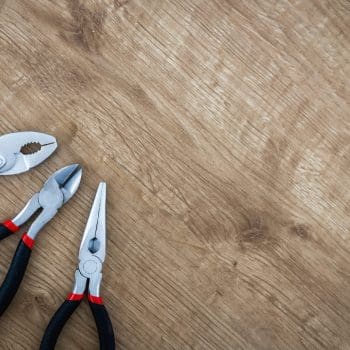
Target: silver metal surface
95, 284
92, 250
57, 190
95, 230
28, 211
13, 161
80, 283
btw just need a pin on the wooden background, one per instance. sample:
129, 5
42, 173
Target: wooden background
222, 128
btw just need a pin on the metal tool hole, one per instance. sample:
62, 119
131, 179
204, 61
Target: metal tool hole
31, 148
94, 245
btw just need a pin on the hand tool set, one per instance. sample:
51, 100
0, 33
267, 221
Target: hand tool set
57, 190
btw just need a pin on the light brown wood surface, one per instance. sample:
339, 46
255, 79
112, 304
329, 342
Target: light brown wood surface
223, 131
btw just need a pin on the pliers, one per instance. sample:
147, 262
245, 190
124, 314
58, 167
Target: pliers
16, 159
88, 275
57, 190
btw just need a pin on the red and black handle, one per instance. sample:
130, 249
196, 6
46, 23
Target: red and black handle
57, 323
15, 272
7, 228
62, 315
103, 324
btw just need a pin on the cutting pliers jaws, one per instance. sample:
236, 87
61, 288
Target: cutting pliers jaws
57, 190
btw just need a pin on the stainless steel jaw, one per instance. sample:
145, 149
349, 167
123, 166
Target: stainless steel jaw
14, 161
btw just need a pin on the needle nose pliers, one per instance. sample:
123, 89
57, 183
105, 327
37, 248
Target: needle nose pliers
88, 275
14, 161
57, 190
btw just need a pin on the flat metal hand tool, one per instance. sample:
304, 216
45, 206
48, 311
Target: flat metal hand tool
88, 276
57, 190
14, 161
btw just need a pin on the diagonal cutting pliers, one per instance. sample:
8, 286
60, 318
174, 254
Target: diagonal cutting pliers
13, 159
88, 276
57, 190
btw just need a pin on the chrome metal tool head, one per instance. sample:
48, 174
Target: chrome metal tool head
14, 161
63, 183
93, 242
57, 190
92, 250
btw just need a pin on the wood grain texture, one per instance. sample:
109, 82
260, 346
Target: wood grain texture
222, 129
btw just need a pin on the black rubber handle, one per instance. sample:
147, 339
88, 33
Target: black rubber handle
14, 275
104, 326
4, 232
57, 323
